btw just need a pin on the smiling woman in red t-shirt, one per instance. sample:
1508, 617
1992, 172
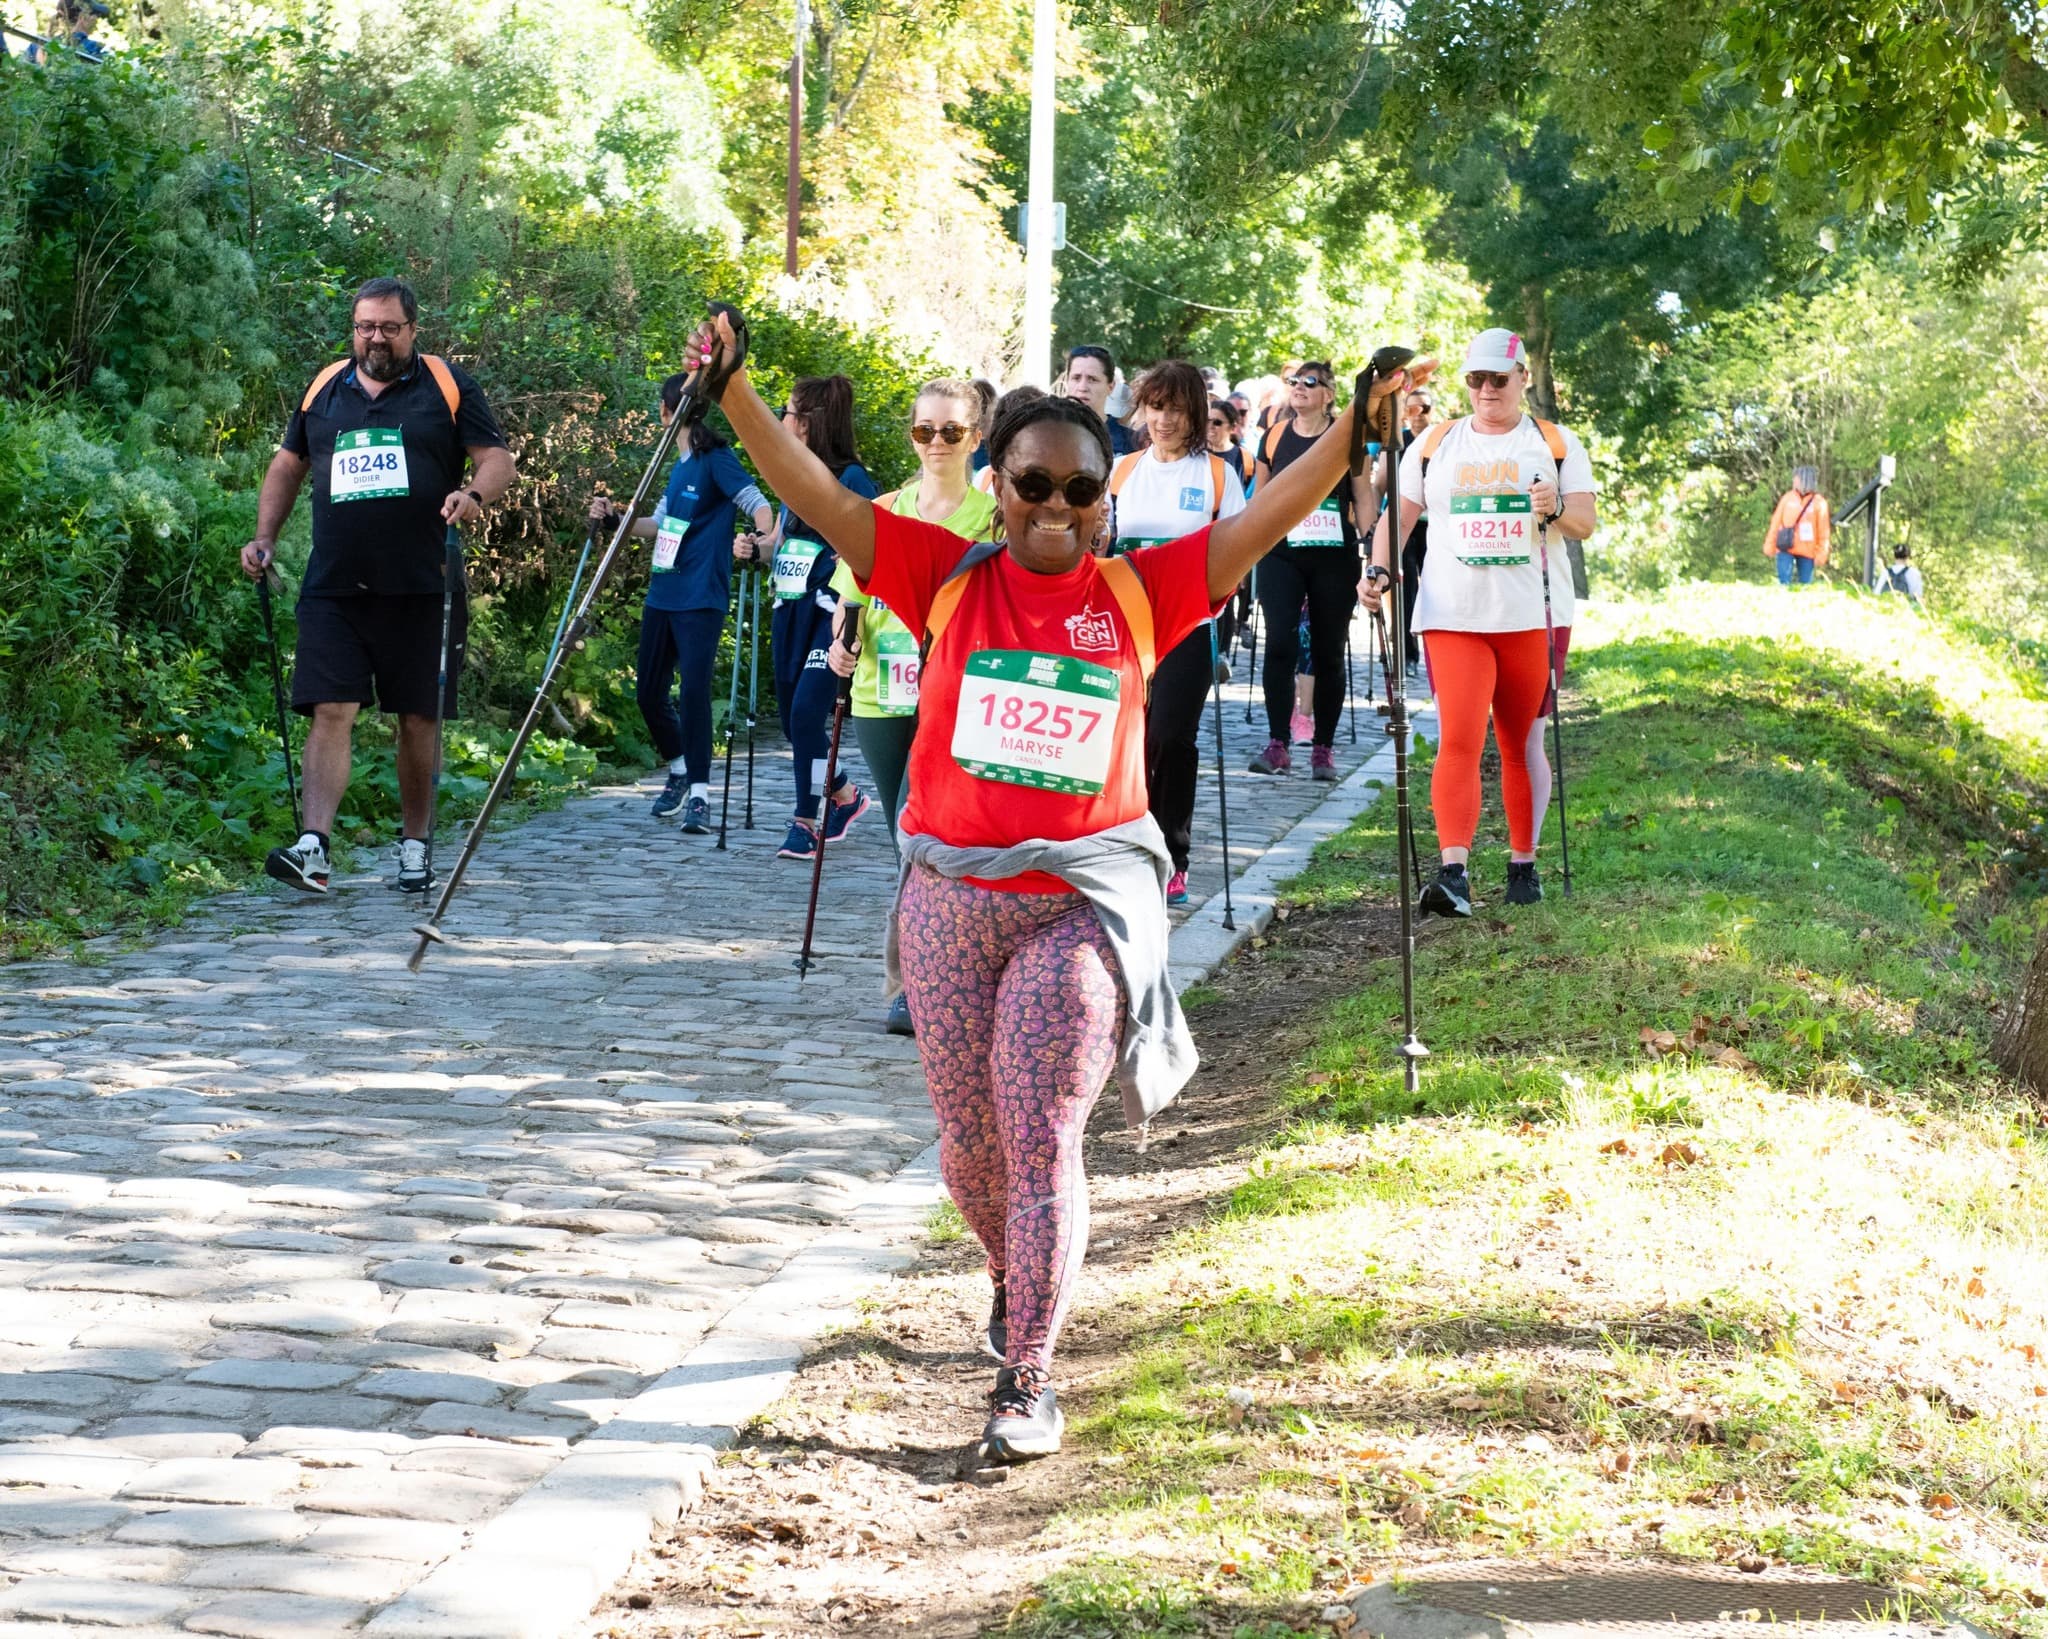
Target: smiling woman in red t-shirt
1030, 931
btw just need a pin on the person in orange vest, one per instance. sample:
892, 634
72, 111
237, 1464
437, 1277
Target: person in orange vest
1799, 530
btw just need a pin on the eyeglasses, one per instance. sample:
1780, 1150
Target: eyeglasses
389, 329
1306, 381
952, 432
1035, 487
1496, 379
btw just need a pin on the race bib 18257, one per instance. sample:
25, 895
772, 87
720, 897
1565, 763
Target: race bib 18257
1490, 530
1046, 721
368, 464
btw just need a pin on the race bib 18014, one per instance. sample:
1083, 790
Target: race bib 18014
368, 464
1322, 527
793, 560
1490, 530
1047, 721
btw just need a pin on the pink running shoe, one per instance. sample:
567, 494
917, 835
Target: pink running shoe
1275, 759
1302, 729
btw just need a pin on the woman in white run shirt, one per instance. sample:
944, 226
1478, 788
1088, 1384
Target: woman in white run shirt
1495, 485
1174, 487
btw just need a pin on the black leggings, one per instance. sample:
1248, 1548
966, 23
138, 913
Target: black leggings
679, 645
1173, 728
1328, 577
799, 634
885, 748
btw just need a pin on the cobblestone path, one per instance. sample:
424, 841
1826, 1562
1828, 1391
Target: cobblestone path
309, 1266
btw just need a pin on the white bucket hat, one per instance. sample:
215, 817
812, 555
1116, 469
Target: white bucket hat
1500, 350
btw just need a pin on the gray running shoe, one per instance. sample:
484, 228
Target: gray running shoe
303, 865
1024, 1417
996, 1340
672, 793
415, 866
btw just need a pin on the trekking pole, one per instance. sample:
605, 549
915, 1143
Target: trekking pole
569, 602
284, 729
451, 574
753, 685
842, 700
699, 392
1251, 672
1564, 829
1384, 363
1222, 790
1350, 682
732, 712
1380, 634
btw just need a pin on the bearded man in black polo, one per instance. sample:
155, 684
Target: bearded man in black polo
400, 445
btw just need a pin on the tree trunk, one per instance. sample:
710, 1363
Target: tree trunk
2022, 1047
1536, 337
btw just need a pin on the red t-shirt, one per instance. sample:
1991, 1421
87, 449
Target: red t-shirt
1054, 726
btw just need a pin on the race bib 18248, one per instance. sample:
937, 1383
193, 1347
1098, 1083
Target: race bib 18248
368, 464
1046, 721
793, 560
1491, 530
896, 673
1322, 527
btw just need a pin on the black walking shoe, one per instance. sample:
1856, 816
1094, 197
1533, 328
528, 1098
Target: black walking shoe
303, 865
671, 798
415, 866
1449, 895
1024, 1417
897, 1021
1525, 887
697, 816
995, 1342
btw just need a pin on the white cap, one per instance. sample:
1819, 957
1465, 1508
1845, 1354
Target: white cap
1495, 350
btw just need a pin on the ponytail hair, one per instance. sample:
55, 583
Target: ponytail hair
826, 405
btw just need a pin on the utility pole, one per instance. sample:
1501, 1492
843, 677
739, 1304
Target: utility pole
1037, 360
796, 138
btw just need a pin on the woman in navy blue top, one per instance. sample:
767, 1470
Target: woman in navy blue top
689, 588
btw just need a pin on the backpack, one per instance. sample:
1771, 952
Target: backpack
1553, 441
437, 367
1124, 586
1120, 474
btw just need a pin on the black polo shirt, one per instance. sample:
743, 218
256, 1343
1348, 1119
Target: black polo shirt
400, 455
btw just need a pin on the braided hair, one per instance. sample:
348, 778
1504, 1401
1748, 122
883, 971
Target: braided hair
1014, 415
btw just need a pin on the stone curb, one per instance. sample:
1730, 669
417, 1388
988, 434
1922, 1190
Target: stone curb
538, 1569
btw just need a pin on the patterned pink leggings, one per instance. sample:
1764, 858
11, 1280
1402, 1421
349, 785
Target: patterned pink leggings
1019, 1007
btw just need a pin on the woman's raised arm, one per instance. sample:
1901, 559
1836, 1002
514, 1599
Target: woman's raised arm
798, 478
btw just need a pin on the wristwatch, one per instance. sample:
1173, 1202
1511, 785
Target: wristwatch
1380, 570
481, 504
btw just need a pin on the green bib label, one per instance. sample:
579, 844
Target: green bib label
1488, 531
1044, 721
896, 673
368, 465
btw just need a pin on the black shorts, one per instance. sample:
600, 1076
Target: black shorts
373, 650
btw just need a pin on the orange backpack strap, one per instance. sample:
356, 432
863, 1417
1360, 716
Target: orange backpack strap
1120, 474
1553, 440
1432, 441
444, 378
946, 601
1129, 592
1216, 485
1272, 443
321, 380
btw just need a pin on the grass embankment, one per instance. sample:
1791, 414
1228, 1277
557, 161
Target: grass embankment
1711, 1233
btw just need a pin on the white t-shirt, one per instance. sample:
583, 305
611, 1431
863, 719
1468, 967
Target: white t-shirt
1164, 500
1483, 572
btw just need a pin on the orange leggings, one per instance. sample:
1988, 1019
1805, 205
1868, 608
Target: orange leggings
1506, 673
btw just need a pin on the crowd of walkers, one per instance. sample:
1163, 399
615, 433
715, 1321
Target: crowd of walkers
1023, 636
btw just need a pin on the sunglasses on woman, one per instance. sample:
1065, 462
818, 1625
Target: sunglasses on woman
1035, 487
1306, 381
952, 432
1496, 379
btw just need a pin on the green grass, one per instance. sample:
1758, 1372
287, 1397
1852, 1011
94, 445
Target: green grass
1711, 1229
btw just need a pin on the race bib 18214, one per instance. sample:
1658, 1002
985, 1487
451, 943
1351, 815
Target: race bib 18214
1045, 721
793, 560
368, 465
1491, 530
1322, 527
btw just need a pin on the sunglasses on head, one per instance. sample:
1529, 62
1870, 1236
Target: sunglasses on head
1476, 379
952, 432
1306, 381
1035, 487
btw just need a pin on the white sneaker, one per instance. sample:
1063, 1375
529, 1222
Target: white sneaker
415, 866
303, 865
